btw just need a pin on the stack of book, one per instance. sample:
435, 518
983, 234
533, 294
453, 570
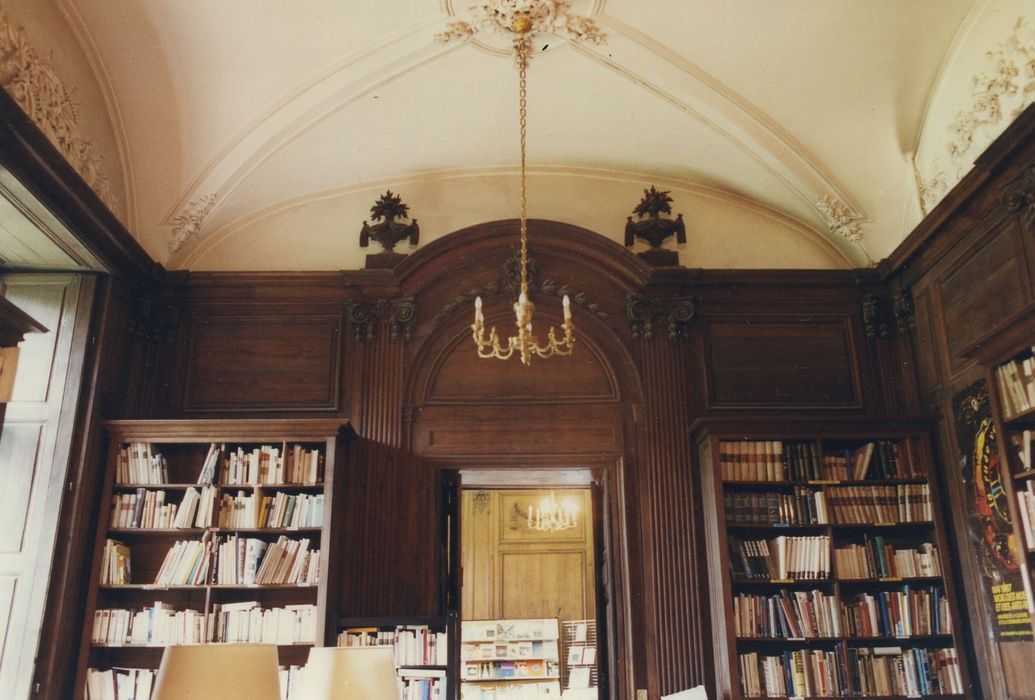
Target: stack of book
137, 465
250, 561
1017, 385
781, 558
115, 565
186, 563
787, 615
155, 626
250, 622
1026, 506
799, 673
804, 507
422, 684
903, 503
904, 613
291, 510
120, 683
875, 558
910, 672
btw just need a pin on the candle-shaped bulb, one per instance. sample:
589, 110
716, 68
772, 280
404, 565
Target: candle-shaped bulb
478, 318
567, 308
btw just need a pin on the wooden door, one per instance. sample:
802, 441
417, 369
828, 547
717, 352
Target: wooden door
511, 570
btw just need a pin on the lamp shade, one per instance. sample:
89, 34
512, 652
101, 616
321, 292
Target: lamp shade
224, 671
350, 673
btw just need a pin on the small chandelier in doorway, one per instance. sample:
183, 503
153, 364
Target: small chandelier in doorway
552, 516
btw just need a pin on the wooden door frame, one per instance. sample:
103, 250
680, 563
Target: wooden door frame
605, 472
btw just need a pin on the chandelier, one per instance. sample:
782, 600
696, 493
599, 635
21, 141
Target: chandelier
520, 20
552, 516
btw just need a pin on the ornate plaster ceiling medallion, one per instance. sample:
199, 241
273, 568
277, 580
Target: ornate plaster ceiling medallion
507, 21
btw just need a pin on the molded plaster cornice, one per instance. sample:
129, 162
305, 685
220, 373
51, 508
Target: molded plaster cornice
195, 251
101, 76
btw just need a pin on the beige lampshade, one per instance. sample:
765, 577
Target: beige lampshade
224, 671
350, 673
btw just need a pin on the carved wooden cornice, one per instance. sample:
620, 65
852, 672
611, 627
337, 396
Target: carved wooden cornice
875, 317
643, 313
364, 316
905, 312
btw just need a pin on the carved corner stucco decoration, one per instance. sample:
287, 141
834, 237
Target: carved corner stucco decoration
151, 320
904, 311
998, 94
840, 219
481, 501
34, 84
509, 283
188, 223
643, 313
875, 317
1018, 196
365, 316
503, 17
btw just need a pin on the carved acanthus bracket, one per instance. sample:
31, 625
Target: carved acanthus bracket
151, 320
509, 284
364, 316
1018, 196
875, 317
905, 313
642, 313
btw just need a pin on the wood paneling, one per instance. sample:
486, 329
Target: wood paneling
985, 285
238, 364
805, 364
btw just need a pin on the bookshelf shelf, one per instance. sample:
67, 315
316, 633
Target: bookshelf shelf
141, 575
889, 469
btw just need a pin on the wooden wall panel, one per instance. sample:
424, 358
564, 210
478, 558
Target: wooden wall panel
239, 364
805, 364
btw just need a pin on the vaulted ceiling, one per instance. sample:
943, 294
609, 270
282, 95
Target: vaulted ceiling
256, 134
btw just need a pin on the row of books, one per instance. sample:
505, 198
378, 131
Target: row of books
283, 510
490, 651
1017, 385
851, 671
875, 558
803, 507
904, 503
248, 561
149, 509
412, 645
158, 625
250, 622
427, 684
775, 460
116, 567
508, 670
545, 690
1026, 506
138, 683
904, 613
136, 464
787, 615
781, 558
266, 465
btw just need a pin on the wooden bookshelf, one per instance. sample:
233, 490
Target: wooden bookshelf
423, 648
859, 497
303, 597
1007, 353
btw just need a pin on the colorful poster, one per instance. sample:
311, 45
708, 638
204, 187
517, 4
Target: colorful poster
988, 516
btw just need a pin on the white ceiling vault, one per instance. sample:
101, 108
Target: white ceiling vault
256, 134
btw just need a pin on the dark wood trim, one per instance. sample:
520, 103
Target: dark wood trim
39, 166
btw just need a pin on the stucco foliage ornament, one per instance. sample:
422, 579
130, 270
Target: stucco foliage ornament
189, 221
840, 219
520, 18
34, 84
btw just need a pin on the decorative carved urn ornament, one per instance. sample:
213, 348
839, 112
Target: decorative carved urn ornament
654, 229
389, 232
520, 21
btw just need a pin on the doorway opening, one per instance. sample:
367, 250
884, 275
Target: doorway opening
532, 618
